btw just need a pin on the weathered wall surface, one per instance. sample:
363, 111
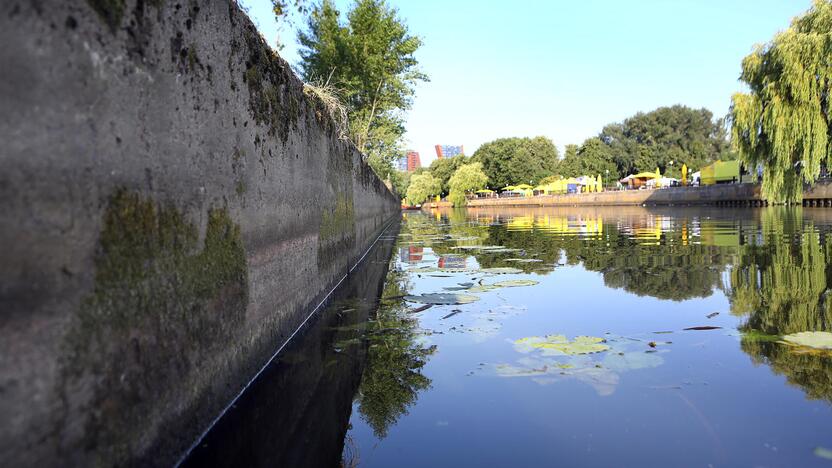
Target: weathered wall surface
172, 205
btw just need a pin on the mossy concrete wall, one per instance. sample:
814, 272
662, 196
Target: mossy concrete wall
173, 206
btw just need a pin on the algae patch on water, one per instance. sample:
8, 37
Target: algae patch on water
442, 298
814, 339
560, 345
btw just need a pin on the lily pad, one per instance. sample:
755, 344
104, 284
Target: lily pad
823, 452
481, 288
560, 345
814, 339
502, 271
515, 283
443, 298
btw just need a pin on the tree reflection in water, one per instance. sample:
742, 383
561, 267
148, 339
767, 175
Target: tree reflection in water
392, 378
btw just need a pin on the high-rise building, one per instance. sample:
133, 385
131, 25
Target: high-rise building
448, 151
409, 162
413, 161
401, 163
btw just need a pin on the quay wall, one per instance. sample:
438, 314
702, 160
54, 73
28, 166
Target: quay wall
174, 206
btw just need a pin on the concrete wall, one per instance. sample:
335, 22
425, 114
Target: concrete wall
173, 205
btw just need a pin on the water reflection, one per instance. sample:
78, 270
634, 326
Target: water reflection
392, 377
578, 312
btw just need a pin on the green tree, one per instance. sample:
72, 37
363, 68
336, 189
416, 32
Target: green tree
676, 134
422, 186
593, 158
466, 179
517, 160
400, 181
370, 60
444, 168
569, 166
784, 122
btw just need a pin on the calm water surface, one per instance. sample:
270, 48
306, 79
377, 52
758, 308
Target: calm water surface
499, 378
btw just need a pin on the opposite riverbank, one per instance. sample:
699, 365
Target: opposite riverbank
819, 194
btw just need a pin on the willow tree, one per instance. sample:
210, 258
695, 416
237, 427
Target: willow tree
422, 186
783, 123
466, 179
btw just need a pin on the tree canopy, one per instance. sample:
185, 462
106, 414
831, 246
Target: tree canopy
678, 133
369, 60
466, 179
444, 168
593, 157
509, 161
422, 186
783, 123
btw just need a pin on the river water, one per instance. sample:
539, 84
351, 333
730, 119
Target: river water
558, 337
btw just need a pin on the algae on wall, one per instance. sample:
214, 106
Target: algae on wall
159, 306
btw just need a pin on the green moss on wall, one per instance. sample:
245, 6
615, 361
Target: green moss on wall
336, 231
110, 11
272, 102
160, 306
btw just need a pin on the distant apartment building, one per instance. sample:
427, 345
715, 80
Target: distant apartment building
409, 162
448, 151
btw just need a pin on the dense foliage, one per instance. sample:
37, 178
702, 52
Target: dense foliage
466, 179
370, 61
783, 123
508, 161
444, 168
422, 186
647, 141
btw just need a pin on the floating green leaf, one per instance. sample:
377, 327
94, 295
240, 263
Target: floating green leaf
502, 271
515, 283
481, 288
443, 298
813, 339
823, 452
559, 344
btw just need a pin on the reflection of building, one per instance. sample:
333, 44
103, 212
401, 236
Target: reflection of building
452, 261
448, 151
409, 162
410, 254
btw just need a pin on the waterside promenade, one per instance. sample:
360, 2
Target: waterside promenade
819, 194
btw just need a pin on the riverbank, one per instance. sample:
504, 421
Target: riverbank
819, 194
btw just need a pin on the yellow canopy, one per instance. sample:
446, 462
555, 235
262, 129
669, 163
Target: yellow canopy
523, 187
509, 188
645, 175
485, 191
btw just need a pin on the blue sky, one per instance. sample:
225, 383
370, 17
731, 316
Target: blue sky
564, 69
